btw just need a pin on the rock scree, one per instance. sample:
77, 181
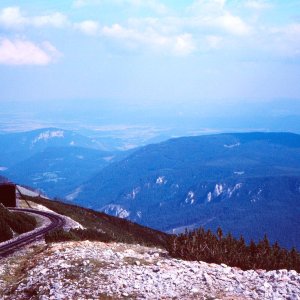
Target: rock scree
96, 270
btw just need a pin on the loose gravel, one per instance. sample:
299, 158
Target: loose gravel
95, 270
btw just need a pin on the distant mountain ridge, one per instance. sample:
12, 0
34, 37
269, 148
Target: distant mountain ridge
15, 147
51, 159
247, 183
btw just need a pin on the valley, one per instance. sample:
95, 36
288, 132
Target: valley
247, 183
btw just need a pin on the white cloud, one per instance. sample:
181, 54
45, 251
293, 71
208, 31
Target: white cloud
211, 14
153, 5
12, 17
204, 25
82, 3
117, 31
133, 38
233, 24
257, 5
213, 41
56, 20
150, 39
88, 27
286, 39
221, 3
184, 44
206, 7
24, 52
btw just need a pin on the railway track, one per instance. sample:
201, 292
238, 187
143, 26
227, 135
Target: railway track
11, 246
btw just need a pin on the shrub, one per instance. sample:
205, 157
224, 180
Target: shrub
92, 235
5, 231
21, 222
15, 221
59, 235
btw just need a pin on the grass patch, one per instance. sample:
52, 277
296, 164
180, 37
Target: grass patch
133, 261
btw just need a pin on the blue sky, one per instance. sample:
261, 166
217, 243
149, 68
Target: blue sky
150, 52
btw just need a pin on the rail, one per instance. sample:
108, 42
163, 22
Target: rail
25, 239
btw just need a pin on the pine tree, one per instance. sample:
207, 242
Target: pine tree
219, 233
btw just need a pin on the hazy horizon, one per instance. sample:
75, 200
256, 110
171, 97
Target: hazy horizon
150, 68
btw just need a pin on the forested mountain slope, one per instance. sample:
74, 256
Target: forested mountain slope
247, 183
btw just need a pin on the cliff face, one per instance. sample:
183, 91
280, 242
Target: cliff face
96, 270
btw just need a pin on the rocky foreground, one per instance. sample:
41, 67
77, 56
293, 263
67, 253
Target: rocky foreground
95, 270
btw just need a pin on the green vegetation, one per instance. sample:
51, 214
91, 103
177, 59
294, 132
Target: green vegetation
14, 221
5, 231
206, 246
97, 223
195, 245
60, 235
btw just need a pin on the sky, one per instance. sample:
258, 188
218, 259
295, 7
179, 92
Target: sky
150, 53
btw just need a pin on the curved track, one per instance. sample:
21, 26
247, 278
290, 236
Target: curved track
11, 246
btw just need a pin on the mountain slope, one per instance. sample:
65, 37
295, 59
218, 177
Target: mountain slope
246, 183
15, 147
53, 160
58, 170
118, 229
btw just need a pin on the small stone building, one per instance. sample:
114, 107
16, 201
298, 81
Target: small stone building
8, 194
